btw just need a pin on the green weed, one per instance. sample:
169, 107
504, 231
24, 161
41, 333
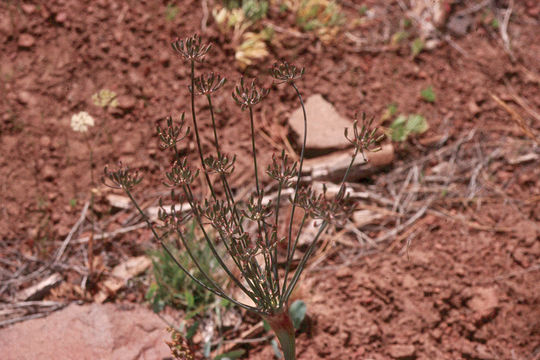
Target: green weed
428, 94
405, 125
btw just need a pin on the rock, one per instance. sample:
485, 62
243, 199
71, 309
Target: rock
324, 127
88, 332
402, 352
126, 102
48, 172
61, 17
344, 272
127, 147
409, 282
45, 141
6, 26
484, 302
521, 257
26, 98
28, 8
459, 25
26, 41
527, 231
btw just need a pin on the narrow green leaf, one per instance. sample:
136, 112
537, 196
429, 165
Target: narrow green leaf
231, 355
275, 347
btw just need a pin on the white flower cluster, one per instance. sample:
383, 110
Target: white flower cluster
81, 121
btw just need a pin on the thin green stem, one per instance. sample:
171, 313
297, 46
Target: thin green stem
196, 129
297, 186
211, 109
254, 150
228, 194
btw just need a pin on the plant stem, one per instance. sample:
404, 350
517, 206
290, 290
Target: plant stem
289, 237
283, 327
254, 150
196, 128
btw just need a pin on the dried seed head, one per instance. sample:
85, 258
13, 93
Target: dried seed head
219, 214
191, 48
256, 210
223, 164
250, 95
319, 206
364, 138
122, 178
172, 218
284, 72
171, 134
181, 174
282, 169
209, 84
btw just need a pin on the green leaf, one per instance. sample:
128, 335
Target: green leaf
417, 46
231, 355
275, 347
428, 94
416, 124
297, 311
390, 111
397, 129
398, 37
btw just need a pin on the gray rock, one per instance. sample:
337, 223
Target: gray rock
325, 126
88, 332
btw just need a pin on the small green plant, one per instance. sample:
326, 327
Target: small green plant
399, 37
321, 16
171, 11
405, 125
389, 112
248, 230
428, 94
172, 287
417, 46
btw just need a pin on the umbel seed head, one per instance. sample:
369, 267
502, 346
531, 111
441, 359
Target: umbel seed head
191, 48
247, 96
206, 85
284, 72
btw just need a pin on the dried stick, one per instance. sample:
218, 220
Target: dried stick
75, 227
